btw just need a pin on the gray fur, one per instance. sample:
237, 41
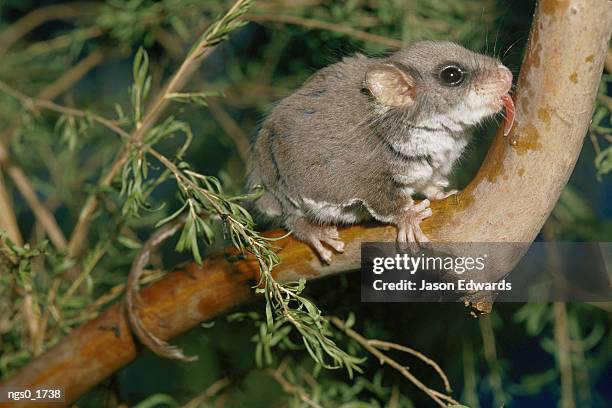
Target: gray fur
331, 154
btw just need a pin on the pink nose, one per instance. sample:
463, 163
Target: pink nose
505, 76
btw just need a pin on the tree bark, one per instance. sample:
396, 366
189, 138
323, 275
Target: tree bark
508, 201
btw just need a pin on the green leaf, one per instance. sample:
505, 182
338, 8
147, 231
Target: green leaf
129, 242
142, 83
171, 216
196, 98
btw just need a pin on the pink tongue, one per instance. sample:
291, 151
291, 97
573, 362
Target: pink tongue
509, 115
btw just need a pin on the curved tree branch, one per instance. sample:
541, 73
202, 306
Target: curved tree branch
508, 201
40, 16
323, 25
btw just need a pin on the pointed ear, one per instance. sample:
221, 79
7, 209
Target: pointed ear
390, 86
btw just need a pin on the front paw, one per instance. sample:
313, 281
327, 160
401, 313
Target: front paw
409, 223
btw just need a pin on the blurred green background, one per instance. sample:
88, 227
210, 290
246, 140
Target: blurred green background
507, 359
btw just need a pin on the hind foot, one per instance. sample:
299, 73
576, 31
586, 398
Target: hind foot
317, 235
409, 223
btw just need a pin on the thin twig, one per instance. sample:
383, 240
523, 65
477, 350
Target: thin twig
181, 178
51, 295
443, 396
8, 221
595, 142
469, 376
394, 398
291, 388
171, 43
29, 103
59, 42
235, 132
73, 75
87, 269
40, 16
42, 214
490, 354
564, 361
388, 345
33, 311
93, 310
31, 314
578, 361
324, 25
384, 359
78, 238
210, 392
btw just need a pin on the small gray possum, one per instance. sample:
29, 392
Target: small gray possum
364, 135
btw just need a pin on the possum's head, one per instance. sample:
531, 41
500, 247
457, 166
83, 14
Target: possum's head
439, 84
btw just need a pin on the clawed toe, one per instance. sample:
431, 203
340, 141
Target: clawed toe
318, 236
420, 207
409, 223
331, 232
337, 245
329, 236
441, 195
324, 253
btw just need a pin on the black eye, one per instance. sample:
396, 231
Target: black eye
452, 75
